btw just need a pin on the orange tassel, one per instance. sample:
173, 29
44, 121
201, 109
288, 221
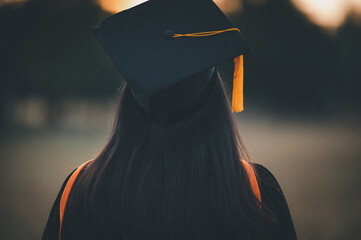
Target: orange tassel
237, 94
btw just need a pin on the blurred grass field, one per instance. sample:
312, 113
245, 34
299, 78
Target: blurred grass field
316, 163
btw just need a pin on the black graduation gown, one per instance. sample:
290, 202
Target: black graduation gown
271, 194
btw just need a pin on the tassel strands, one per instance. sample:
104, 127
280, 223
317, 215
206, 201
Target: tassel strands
237, 94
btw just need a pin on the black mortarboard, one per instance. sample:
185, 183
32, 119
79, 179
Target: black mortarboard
161, 42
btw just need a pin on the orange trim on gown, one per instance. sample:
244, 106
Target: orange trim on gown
66, 192
253, 179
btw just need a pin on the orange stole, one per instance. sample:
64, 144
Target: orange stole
66, 192
252, 179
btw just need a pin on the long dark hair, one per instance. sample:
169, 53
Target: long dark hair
182, 181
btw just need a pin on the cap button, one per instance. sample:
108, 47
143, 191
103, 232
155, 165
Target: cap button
168, 33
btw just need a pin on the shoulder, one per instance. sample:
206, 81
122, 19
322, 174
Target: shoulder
67, 180
76, 172
260, 169
51, 230
72, 178
265, 176
271, 191
274, 199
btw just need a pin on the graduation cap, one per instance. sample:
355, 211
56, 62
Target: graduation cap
159, 43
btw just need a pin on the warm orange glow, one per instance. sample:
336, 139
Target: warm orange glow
114, 6
5, 2
328, 13
229, 6
356, 6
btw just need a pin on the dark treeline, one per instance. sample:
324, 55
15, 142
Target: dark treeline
48, 51
297, 66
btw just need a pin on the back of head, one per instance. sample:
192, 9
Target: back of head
180, 179
178, 101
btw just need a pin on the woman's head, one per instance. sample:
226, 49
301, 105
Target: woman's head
176, 179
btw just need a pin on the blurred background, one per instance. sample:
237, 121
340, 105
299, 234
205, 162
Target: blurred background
302, 104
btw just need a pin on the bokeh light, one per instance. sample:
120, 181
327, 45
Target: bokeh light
114, 6
328, 13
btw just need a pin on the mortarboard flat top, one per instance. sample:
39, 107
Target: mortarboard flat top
150, 60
